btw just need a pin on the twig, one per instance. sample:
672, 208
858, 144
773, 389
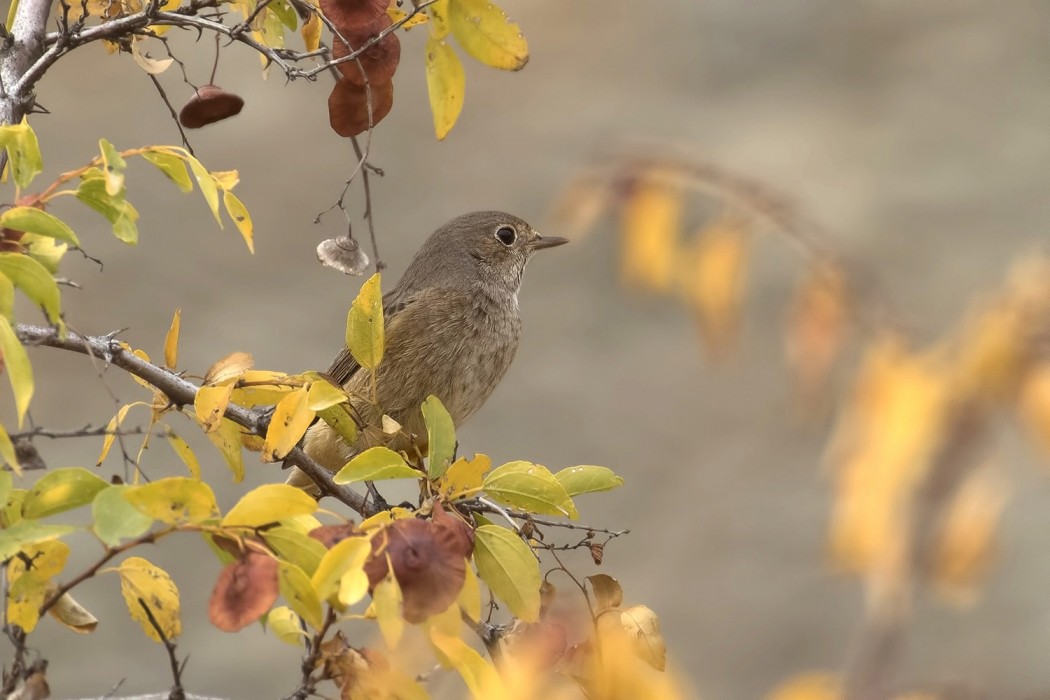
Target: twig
308, 683
182, 393
171, 110
86, 431
177, 692
369, 216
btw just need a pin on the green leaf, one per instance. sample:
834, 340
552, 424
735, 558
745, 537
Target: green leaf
173, 167
364, 325
441, 437
297, 589
34, 281
268, 504
33, 220
7, 297
284, 12
587, 478
113, 166
295, 547
284, 623
339, 419
117, 210
115, 519
530, 487
485, 32
175, 500
27, 532
16, 366
61, 490
376, 464
239, 213
446, 85
207, 185
510, 569
23, 152
44, 249
11, 512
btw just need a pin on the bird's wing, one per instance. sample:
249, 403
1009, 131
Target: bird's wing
344, 365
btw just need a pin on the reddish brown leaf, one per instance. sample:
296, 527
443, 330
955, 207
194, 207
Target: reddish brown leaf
348, 106
331, 535
246, 589
348, 15
379, 60
208, 105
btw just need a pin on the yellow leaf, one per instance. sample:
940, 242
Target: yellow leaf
290, 420
267, 504
376, 464
651, 222
73, 615
323, 395
24, 598
225, 180
38, 221
17, 367
23, 151
964, 539
228, 369
485, 32
364, 325
285, 625
112, 428
469, 599
207, 185
530, 487
10, 458
713, 281
142, 581
643, 626
113, 165
171, 341
438, 13
1034, 404
397, 15
464, 478
185, 453
386, 604
228, 440
446, 85
297, 589
60, 490
311, 33
241, 218
210, 405
172, 164
174, 500
809, 686
816, 327
35, 282
510, 569
345, 557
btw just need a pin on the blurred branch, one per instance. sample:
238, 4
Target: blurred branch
182, 393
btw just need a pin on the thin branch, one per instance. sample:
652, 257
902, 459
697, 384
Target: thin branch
177, 692
182, 393
86, 431
369, 216
171, 110
307, 686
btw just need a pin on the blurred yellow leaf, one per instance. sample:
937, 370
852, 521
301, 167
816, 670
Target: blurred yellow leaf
882, 449
478, 675
284, 623
9, 457
171, 341
73, 615
607, 592
510, 569
347, 556
816, 327
174, 500
295, 547
16, 366
713, 281
808, 686
267, 504
35, 282
446, 85
364, 325
296, 588
580, 205
386, 603
650, 228
290, 420
992, 351
438, 13
469, 599
1034, 404
311, 33
486, 33
643, 626
141, 580
964, 539
210, 405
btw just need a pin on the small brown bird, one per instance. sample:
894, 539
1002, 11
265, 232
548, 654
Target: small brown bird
452, 328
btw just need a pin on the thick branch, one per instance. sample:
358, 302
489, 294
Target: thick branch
28, 31
182, 393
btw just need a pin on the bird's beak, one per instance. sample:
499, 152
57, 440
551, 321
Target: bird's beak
542, 242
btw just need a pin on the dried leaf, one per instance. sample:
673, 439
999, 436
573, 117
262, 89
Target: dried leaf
245, 590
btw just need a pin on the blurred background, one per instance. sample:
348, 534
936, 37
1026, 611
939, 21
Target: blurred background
915, 132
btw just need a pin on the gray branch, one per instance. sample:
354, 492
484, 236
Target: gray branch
182, 393
20, 50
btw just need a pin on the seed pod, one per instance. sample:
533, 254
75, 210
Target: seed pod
348, 106
349, 15
208, 105
379, 60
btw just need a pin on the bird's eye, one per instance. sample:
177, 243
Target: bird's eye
506, 235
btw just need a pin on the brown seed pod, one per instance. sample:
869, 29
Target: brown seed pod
348, 106
208, 105
379, 60
350, 15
